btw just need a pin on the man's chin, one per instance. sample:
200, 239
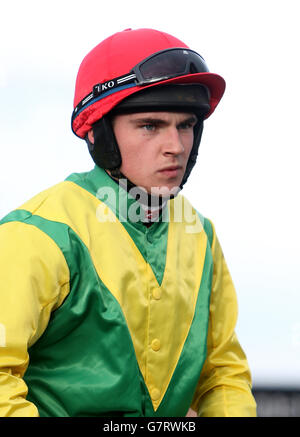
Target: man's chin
165, 191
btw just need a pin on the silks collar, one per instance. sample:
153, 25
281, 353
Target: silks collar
125, 199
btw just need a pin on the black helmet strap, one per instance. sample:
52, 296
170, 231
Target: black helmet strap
105, 150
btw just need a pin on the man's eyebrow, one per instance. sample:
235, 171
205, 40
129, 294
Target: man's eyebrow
151, 120
191, 119
156, 120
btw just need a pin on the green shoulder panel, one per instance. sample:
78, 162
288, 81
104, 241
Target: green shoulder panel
79, 347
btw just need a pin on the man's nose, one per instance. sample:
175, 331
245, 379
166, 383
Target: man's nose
173, 144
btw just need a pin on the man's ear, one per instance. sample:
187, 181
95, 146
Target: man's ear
91, 136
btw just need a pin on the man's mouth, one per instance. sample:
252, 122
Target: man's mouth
171, 171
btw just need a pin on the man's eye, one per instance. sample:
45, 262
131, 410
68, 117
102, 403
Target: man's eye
188, 125
148, 127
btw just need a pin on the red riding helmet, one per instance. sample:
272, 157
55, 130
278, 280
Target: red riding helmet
130, 61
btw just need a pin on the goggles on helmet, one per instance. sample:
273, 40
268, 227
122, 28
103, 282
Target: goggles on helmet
160, 66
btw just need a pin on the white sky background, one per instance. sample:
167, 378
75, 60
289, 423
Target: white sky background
247, 176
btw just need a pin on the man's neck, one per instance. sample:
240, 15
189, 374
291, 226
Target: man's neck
151, 205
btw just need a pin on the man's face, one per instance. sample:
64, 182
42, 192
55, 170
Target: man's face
155, 147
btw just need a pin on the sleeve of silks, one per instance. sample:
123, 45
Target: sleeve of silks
224, 388
34, 279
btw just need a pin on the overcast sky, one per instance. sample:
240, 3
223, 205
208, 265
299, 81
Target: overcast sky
247, 176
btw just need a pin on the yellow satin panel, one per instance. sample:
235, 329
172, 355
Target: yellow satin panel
158, 339
179, 291
224, 388
36, 282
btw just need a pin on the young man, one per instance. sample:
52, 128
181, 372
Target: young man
115, 295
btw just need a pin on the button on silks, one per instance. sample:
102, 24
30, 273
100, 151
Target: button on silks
155, 394
156, 293
155, 345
